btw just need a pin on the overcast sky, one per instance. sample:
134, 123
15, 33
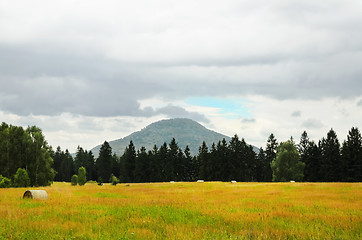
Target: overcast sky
89, 71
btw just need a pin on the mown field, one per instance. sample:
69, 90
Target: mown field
210, 210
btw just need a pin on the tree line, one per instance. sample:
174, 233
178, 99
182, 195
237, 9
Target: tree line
325, 161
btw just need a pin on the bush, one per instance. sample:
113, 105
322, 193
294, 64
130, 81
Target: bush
4, 182
100, 181
82, 178
21, 178
74, 180
114, 180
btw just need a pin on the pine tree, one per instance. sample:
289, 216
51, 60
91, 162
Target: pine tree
141, 172
260, 162
223, 153
128, 162
270, 151
115, 165
155, 166
57, 158
331, 159
190, 173
352, 157
67, 167
162, 158
312, 158
103, 163
203, 161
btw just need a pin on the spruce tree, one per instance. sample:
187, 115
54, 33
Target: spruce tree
352, 156
331, 160
141, 173
312, 158
103, 163
128, 162
203, 161
67, 167
270, 151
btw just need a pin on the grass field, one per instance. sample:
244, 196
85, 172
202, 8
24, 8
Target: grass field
210, 210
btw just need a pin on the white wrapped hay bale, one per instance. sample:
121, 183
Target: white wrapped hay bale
36, 194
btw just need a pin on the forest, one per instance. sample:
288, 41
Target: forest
26, 159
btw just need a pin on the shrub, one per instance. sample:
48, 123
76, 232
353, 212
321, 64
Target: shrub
74, 180
4, 182
21, 178
82, 178
100, 181
114, 180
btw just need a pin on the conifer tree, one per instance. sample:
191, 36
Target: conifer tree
142, 173
270, 151
331, 160
103, 163
203, 160
128, 162
352, 156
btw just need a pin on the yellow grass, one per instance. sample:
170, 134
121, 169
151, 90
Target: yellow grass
210, 210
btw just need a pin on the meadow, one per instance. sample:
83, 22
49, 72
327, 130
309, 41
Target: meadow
210, 210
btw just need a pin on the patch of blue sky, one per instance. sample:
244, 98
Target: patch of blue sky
232, 108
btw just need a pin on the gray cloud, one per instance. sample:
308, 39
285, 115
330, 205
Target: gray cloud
179, 112
296, 114
248, 120
359, 103
312, 123
72, 63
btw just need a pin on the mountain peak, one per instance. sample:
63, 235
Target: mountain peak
186, 132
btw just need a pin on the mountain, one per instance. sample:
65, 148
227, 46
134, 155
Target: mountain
185, 131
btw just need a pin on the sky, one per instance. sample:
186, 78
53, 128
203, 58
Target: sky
90, 71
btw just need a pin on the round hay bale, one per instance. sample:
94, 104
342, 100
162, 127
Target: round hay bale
36, 194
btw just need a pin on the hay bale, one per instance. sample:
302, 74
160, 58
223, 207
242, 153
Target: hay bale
233, 181
36, 194
200, 181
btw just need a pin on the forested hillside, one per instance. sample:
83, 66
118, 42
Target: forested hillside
186, 131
